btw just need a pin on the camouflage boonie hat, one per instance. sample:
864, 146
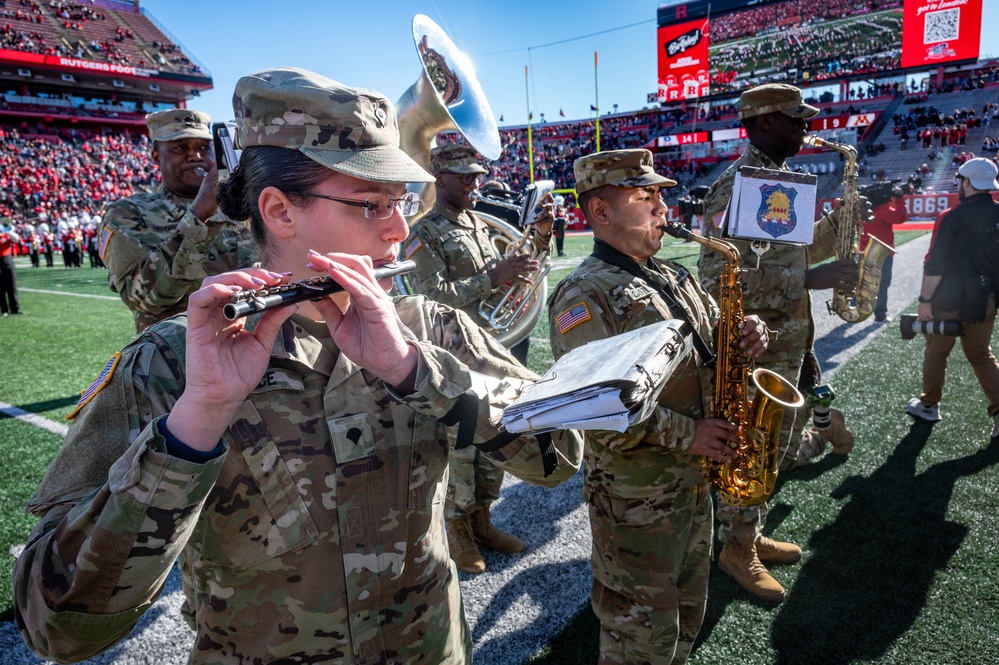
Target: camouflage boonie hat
773, 97
349, 130
622, 168
174, 124
454, 158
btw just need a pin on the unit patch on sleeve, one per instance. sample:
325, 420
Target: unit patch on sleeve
102, 380
572, 317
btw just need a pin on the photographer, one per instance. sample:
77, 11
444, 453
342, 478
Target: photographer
691, 206
558, 228
959, 282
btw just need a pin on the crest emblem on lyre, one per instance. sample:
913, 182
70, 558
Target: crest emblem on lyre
776, 215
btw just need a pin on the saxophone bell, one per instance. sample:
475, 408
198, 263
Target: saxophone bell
855, 305
750, 478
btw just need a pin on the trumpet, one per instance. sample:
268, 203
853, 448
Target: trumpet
315, 288
517, 297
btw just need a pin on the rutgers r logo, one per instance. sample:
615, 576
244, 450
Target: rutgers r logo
681, 11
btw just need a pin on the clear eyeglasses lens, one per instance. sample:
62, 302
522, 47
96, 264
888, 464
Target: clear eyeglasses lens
382, 207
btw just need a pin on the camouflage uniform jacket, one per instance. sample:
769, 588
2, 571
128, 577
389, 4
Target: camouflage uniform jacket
776, 292
317, 536
157, 252
453, 253
649, 458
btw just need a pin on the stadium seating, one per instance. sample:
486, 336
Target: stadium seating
71, 173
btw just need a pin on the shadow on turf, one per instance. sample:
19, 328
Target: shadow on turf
836, 340
47, 405
866, 576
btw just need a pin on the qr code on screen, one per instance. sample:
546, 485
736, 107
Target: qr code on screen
941, 26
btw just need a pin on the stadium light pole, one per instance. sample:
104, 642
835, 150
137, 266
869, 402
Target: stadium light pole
596, 97
530, 144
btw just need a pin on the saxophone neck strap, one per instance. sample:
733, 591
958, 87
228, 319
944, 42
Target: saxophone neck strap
609, 254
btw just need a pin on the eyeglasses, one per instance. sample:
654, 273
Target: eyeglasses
379, 206
467, 178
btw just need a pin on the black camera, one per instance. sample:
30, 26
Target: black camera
226, 155
881, 192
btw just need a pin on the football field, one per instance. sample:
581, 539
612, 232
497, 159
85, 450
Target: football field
901, 554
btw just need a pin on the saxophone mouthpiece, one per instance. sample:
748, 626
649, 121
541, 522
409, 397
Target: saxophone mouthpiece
676, 230
813, 140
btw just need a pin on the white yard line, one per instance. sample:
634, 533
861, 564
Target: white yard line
33, 419
67, 293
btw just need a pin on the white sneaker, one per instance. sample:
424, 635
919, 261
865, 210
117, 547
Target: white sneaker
995, 425
930, 413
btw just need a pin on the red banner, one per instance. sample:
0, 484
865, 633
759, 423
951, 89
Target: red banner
939, 31
683, 60
76, 64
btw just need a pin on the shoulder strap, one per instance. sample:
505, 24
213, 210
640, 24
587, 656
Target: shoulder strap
609, 254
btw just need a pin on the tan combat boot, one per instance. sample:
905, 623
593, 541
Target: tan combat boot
464, 553
739, 559
487, 534
774, 551
838, 436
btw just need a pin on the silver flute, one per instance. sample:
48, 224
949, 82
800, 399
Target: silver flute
315, 288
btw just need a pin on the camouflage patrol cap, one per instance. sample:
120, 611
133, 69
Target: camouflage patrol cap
454, 158
349, 130
174, 124
773, 97
623, 168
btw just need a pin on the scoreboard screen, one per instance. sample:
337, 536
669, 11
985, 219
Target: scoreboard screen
726, 46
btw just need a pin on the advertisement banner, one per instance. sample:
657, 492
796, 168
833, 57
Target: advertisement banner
939, 31
683, 60
842, 121
681, 139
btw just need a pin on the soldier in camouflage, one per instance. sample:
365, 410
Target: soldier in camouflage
158, 246
457, 265
778, 292
295, 461
650, 511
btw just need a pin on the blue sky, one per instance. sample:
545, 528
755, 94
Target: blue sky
369, 44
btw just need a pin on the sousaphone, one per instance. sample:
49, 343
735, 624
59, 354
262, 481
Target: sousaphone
448, 97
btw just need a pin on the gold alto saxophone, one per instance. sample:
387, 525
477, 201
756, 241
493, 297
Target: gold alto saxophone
856, 305
750, 478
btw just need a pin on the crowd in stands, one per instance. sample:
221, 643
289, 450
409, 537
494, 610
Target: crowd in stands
70, 17
70, 173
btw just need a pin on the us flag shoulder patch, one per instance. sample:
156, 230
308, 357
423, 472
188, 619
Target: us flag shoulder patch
102, 243
102, 380
412, 247
572, 317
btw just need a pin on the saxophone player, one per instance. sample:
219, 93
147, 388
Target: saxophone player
457, 265
778, 292
649, 506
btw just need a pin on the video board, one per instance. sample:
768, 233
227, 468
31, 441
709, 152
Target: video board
728, 45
